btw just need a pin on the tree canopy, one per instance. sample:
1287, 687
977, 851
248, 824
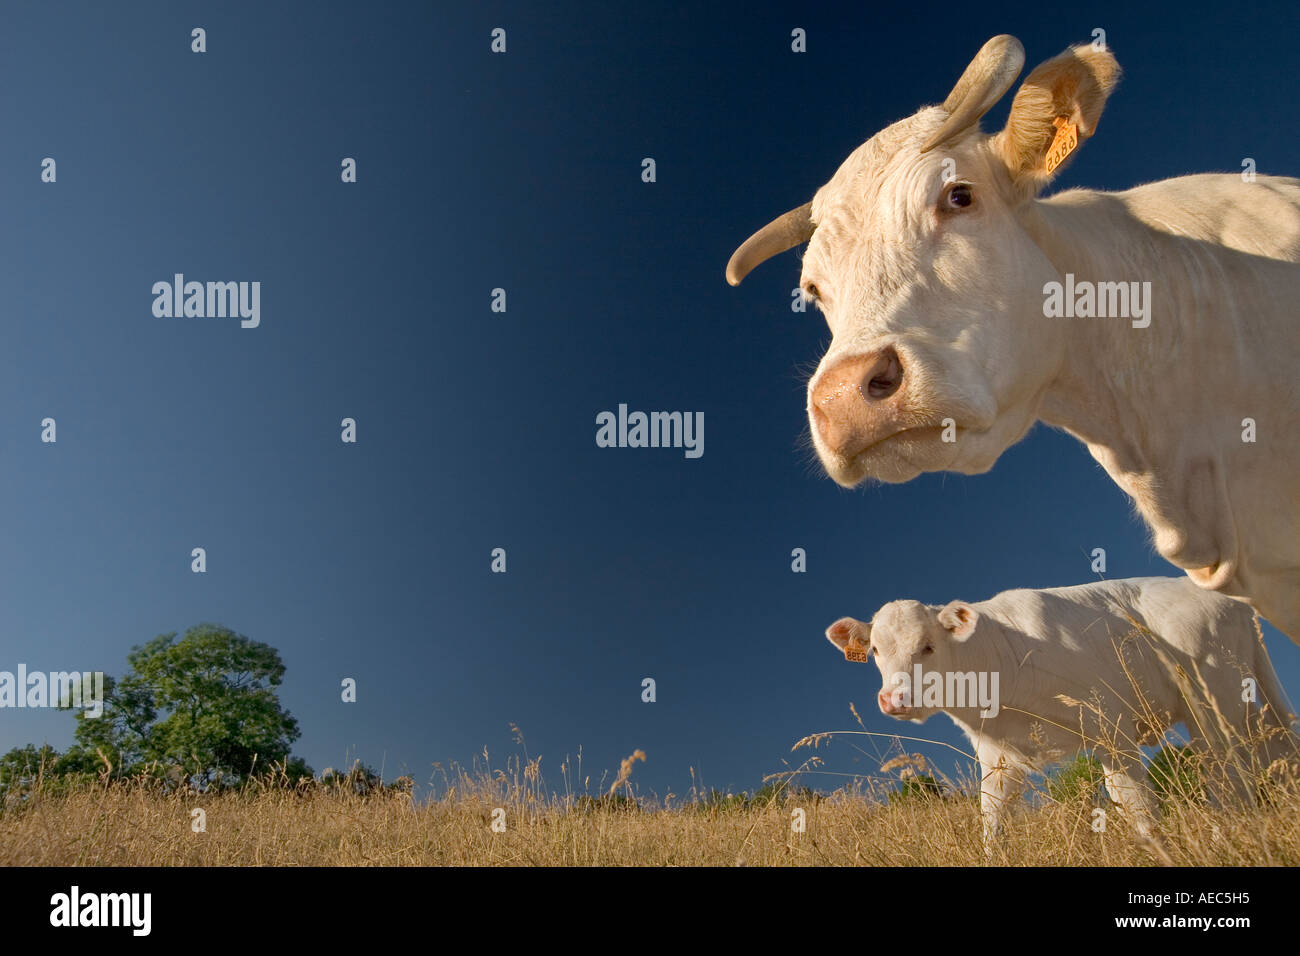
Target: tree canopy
203, 707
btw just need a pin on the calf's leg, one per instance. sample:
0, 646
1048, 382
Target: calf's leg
1001, 784
1127, 783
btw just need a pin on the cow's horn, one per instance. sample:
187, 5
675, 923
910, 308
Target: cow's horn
985, 81
784, 232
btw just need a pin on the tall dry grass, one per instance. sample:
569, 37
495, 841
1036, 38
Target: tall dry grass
344, 820
142, 823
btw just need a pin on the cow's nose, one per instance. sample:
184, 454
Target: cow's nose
851, 407
887, 702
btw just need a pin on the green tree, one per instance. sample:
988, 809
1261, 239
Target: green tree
922, 786
206, 704
21, 767
1174, 774
780, 792
716, 801
1078, 780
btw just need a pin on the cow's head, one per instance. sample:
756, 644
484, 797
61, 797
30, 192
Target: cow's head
902, 636
920, 256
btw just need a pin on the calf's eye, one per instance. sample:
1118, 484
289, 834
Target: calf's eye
928, 649
812, 290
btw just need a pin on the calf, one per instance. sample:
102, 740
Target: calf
1033, 676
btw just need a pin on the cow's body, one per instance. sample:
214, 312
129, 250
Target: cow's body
1105, 666
1163, 409
931, 255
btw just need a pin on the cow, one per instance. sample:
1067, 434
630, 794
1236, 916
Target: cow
964, 308
1032, 676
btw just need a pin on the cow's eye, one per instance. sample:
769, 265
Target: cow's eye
812, 291
928, 649
958, 196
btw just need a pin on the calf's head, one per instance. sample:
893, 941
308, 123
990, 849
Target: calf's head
902, 636
919, 257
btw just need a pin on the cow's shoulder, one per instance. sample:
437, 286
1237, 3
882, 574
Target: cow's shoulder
1260, 217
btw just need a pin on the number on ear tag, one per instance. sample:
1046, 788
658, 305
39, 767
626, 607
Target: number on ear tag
1065, 143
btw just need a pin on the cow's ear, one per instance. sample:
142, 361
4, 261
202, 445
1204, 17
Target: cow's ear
959, 619
1055, 110
851, 636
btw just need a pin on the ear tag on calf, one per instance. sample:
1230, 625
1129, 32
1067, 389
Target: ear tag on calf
1065, 143
853, 651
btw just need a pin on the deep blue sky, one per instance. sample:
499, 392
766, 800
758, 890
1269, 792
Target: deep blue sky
477, 429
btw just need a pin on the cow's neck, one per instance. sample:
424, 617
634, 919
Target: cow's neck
1121, 390
1104, 391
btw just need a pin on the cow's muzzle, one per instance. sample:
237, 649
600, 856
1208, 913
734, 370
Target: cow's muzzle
855, 403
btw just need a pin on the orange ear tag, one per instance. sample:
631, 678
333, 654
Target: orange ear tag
1065, 143
853, 651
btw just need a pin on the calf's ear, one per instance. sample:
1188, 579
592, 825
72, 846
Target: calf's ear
959, 619
1054, 111
851, 636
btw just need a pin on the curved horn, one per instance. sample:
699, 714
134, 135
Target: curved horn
985, 81
784, 232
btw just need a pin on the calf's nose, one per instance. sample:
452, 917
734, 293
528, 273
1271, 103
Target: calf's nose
851, 402
887, 703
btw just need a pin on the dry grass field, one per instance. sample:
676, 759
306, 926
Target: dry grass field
124, 824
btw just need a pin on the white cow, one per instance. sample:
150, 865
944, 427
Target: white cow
963, 309
1034, 676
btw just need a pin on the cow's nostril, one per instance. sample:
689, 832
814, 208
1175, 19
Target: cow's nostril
886, 376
